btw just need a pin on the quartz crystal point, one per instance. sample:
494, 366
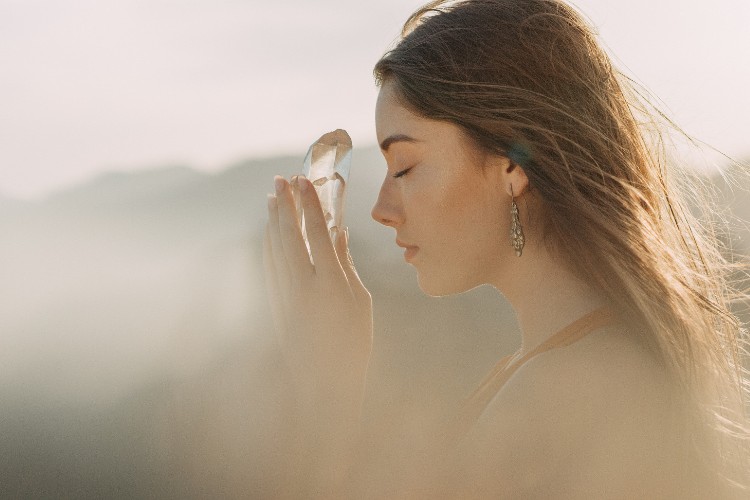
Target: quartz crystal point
327, 166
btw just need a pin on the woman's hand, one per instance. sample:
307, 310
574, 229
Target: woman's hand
322, 312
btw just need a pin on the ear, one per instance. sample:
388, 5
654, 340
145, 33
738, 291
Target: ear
509, 175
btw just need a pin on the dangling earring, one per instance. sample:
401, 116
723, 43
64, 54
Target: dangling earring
516, 232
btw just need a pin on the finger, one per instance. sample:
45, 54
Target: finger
321, 246
278, 257
295, 250
345, 258
272, 287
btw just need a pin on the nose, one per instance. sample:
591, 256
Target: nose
388, 210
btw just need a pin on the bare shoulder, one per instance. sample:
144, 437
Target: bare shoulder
608, 369
590, 419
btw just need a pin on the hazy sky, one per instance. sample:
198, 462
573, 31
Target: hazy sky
96, 85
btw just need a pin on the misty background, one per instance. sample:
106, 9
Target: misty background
138, 141
137, 353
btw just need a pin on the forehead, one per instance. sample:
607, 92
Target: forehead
393, 118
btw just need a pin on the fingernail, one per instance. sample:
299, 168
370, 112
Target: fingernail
346, 236
303, 183
334, 234
271, 199
279, 184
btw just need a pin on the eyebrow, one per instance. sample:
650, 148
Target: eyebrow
396, 138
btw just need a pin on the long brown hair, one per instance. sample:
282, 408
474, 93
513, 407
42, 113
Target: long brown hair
527, 79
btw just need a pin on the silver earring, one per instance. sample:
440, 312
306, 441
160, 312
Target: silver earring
516, 232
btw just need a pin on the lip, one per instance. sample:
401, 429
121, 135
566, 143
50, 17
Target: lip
410, 250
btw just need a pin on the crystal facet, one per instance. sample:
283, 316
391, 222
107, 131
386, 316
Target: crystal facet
327, 166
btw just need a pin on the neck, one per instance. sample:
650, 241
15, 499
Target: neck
546, 296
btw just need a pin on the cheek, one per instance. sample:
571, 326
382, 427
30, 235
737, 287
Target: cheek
454, 205
466, 204
478, 224
443, 205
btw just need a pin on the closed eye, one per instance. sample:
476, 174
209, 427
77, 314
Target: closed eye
401, 173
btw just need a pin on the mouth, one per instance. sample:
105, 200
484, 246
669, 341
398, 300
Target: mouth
409, 250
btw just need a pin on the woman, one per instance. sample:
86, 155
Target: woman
515, 158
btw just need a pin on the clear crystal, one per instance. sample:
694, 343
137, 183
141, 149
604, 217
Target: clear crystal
327, 166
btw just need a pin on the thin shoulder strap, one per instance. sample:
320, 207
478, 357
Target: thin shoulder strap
570, 334
475, 404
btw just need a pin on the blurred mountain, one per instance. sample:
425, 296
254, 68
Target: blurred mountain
134, 326
10, 205
119, 187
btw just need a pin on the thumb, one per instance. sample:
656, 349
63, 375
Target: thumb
345, 259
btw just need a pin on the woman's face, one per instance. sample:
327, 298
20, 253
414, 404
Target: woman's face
443, 197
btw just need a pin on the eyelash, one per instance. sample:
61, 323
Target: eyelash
401, 173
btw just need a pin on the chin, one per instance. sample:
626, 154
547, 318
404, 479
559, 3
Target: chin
444, 286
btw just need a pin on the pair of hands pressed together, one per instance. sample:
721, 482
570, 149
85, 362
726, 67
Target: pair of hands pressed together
322, 312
